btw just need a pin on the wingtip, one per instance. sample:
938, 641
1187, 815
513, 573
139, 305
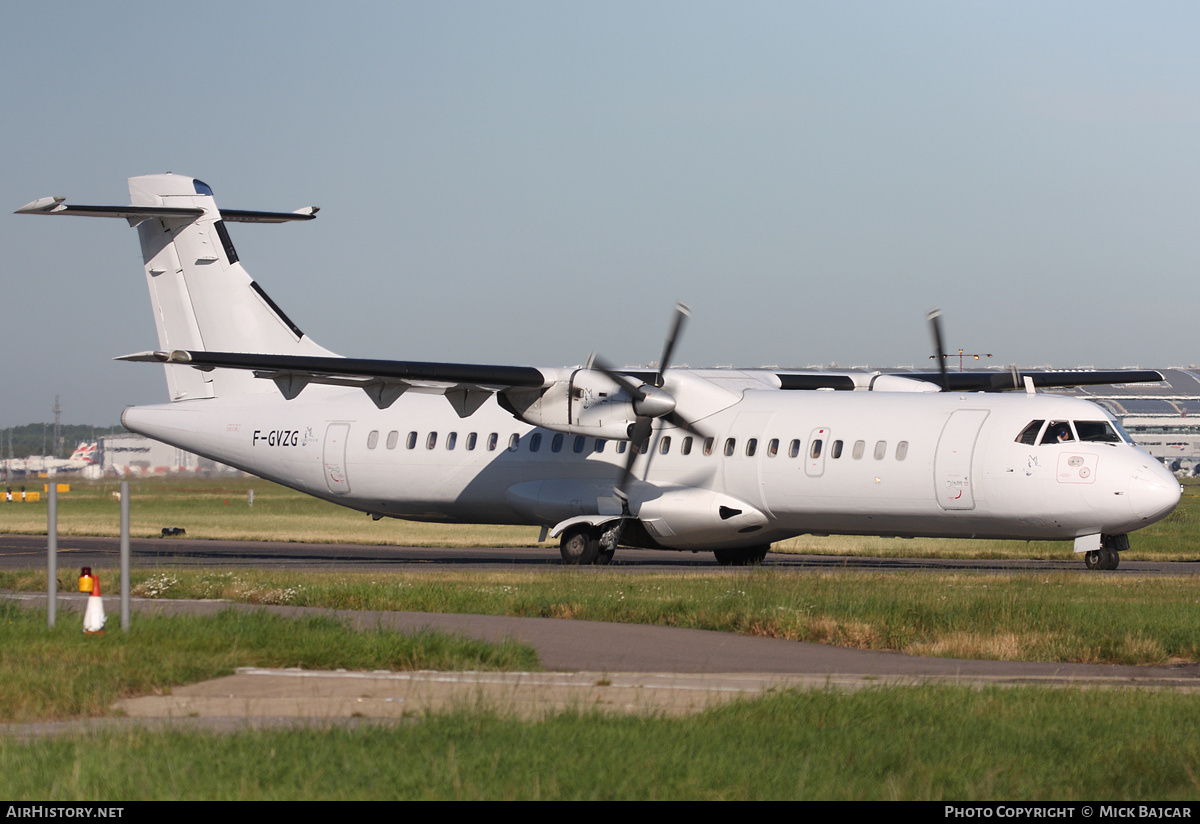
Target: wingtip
42, 204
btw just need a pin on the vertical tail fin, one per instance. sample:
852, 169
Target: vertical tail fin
202, 297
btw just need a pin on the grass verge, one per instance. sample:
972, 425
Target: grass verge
926, 743
61, 673
1058, 616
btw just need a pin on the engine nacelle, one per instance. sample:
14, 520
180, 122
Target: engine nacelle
581, 402
699, 519
897, 383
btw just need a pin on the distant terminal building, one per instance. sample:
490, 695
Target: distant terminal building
130, 454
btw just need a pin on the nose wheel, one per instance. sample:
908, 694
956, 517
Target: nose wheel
1108, 555
1103, 558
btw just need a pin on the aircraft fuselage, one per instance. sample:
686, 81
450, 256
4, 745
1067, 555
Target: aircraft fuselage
919, 464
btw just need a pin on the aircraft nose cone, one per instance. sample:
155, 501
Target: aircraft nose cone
1153, 493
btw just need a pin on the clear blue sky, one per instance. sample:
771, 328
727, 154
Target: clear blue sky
523, 183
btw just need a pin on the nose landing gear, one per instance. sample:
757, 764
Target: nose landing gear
1106, 556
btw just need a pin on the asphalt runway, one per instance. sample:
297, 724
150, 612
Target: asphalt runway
25, 551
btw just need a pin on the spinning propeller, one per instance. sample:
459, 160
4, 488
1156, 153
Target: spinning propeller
649, 401
934, 316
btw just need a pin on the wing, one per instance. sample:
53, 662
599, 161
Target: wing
465, 385
1015, 379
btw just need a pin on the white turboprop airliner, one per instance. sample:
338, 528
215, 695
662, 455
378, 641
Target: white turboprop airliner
690, 459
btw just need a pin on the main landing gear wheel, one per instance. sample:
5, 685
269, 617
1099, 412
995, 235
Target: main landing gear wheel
744, 556
579, 546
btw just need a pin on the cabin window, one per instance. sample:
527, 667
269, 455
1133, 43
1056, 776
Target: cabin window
859, 448
880, 450
535, 441
556, 443
514, 441
794, 448
1058, 432
621, 447
708, 446
901, 450
772, 447
373, 439
836, 450
1029, 434
451, 440
411, 441
471, 442
580, 443
599, 446
1096, 432
664, 446
393, 439
815, 452
492, 440
431, 441
730, 446
685, 448
751, 447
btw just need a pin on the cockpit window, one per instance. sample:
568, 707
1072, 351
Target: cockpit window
1029, 434
1058, 432
1096, 432
201, 187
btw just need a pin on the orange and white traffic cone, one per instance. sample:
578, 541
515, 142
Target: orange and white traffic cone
93, 616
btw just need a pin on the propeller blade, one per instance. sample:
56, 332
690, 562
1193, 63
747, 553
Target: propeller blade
675, 419
934, 316
632, 389
639, 435
682, 313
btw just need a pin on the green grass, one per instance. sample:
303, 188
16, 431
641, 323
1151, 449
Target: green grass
219, 509
61, 673
927, 743
1054, 616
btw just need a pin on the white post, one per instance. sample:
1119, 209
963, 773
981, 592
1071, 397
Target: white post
51, 553
125, 556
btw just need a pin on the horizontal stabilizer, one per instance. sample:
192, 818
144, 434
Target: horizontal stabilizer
56, 206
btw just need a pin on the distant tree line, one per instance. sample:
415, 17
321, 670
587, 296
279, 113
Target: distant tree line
36, 439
